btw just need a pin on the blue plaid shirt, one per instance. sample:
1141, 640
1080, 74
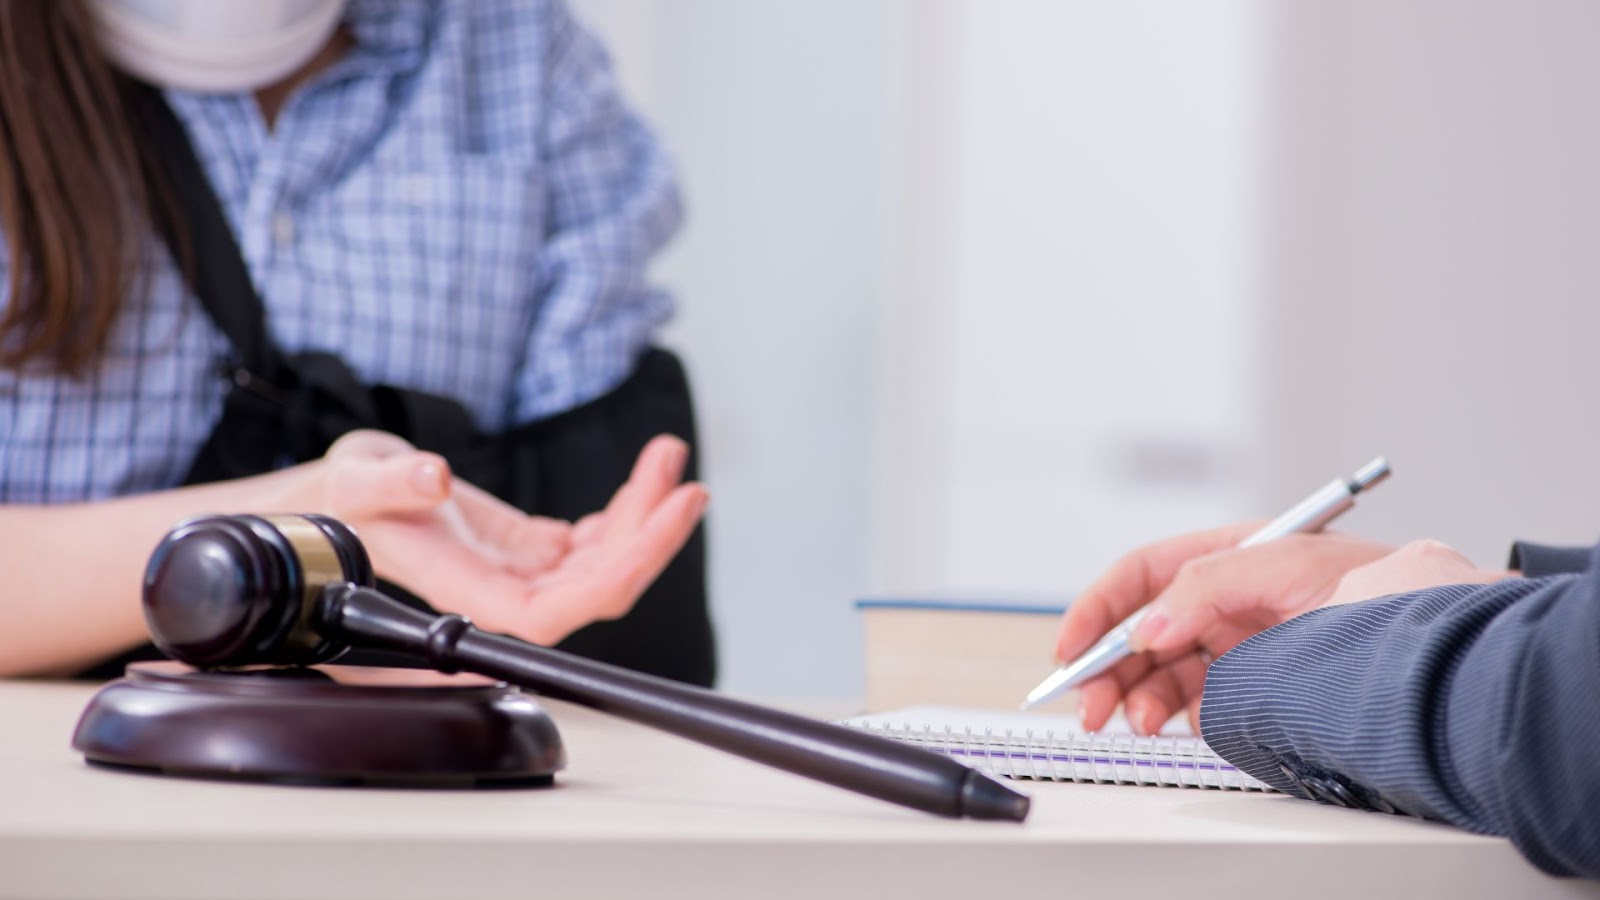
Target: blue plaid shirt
460, 205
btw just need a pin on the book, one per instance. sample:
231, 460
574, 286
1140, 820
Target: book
1057, 748
956, 652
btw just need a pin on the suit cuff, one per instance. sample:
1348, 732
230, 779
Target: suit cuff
1538, 560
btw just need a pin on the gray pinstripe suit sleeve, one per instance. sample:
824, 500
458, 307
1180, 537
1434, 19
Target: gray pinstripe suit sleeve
1477, 705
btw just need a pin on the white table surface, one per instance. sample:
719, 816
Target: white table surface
641, 814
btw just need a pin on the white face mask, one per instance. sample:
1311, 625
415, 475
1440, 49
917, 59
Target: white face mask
213, 46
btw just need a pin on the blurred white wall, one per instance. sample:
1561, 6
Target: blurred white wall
980, 293
964, 291
1067, 371
1434, 278
780, 115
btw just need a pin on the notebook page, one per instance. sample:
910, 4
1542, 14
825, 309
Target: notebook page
1028, 745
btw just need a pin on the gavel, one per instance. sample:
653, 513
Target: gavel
297, 590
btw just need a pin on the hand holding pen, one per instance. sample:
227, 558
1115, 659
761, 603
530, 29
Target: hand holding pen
1194, 597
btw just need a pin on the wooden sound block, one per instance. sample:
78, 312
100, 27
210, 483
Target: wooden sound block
326, 725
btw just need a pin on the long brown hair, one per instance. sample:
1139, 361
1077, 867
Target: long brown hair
73, 203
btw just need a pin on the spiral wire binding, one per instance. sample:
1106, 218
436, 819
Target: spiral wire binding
1078, 757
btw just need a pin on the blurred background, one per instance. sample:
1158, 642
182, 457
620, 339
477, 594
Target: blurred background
979, 294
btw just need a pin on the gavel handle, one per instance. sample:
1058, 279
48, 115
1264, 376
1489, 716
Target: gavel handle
845, 757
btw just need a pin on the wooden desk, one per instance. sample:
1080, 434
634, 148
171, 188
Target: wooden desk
640, 814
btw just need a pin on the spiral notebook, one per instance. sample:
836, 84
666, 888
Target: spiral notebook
1056, 748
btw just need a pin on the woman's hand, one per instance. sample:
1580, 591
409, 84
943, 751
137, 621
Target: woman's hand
1205, 596
466, 551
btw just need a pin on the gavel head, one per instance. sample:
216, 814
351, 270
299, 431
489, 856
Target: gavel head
237, 590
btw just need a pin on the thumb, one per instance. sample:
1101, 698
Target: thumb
405, 482
1203, 591
1252, 587
1135, 581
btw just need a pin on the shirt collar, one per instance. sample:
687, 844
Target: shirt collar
390, 35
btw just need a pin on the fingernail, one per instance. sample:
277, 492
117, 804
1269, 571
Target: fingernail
700, 503
674, 461
428, 479
1150, 629
1151, 719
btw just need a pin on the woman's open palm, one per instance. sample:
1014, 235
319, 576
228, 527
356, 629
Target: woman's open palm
466, 551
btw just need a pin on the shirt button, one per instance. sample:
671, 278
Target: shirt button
1347, 798
1314, 786
1377, 802
283, 228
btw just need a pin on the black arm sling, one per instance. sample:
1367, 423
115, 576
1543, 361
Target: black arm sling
290, 407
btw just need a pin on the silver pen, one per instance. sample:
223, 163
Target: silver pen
1311, 514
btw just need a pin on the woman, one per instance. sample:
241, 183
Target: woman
449, 197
